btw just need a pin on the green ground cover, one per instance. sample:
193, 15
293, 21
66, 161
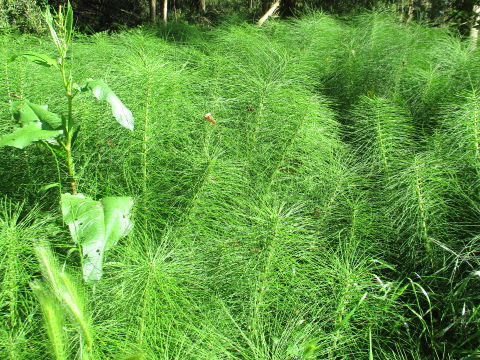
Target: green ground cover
331, 213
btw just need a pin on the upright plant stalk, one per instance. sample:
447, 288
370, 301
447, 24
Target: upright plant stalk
144, 304
67, 83
64, 23
145, 144
68, 148
423, 220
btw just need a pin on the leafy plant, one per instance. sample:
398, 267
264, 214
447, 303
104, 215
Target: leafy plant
94, 227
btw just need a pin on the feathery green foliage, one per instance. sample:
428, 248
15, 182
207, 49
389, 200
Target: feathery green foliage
382, 134
329, 211
19, 232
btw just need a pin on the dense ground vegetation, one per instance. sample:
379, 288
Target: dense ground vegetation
332, 212
100, 15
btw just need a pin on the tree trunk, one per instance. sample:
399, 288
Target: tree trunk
411, 8
203, 6
269, 12
475, 24
153, 10
165, 10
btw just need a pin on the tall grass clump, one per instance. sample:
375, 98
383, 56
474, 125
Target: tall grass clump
454, 143
257, 76
459, 130
316, 53
382, 138
415, 66
296, 171
20, 231
381, 133
419, 204
171, 130
373, 51
145, 300
447, 70
59, 296
455, 140
414, 187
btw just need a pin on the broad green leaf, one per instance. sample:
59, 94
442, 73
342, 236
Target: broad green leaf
103, 93
68, 23
96, 226
25, 112
117, 219
37, 58
84, 217
27, 134
85, 220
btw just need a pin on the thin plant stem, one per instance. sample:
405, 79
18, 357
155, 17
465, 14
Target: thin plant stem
145, 145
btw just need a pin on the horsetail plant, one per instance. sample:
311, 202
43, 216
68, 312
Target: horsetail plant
95, 226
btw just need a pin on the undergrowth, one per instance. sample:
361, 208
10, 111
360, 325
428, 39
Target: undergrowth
331, 212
